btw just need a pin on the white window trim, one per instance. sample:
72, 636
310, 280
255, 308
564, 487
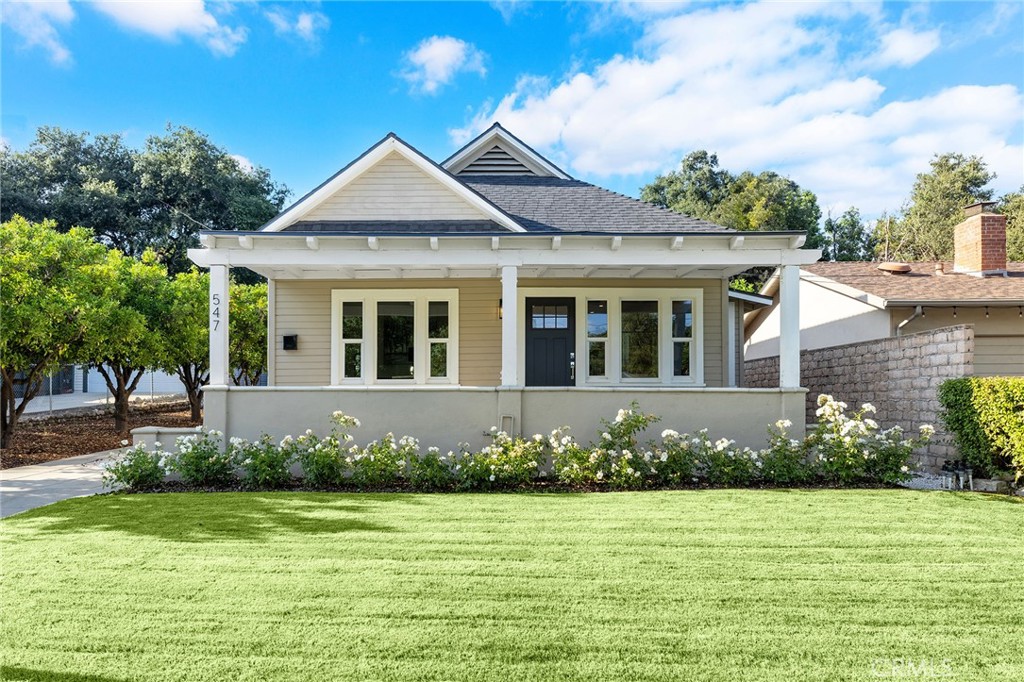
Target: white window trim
421, 298
613, 347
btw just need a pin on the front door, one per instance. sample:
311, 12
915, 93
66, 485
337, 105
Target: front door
550, 342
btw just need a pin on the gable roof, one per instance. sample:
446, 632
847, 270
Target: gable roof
492, 150
546, 204
391, 144
922, 285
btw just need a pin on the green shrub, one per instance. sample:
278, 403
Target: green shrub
201, 460
986, 417
264, 463
382, 462
432, 470
676, 462
785, 460
722, 463
506, 463
135, 469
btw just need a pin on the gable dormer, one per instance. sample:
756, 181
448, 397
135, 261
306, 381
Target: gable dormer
498, 152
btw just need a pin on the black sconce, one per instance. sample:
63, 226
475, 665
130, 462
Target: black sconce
291, 342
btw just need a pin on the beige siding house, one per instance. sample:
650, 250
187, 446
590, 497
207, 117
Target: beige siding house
493, 289
843, 303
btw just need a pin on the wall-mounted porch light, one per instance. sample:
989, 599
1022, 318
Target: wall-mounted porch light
501, 309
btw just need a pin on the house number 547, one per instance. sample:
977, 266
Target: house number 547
215, 311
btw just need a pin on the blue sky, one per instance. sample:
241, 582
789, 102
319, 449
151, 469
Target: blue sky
850, 100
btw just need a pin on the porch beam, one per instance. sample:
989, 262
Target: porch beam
509, 325
789, 327
219, 367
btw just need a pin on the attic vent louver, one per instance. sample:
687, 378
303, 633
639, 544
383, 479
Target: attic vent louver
496, 161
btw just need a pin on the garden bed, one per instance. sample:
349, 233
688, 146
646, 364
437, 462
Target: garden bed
39, 440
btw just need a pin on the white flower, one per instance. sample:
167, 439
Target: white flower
868, 407
600, 475
669, 433
124, 442
783, 424
664, 457
158, 444
904, 468
606, 436
537, 438
927, 430
491, 477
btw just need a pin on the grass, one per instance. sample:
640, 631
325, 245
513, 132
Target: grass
712, 585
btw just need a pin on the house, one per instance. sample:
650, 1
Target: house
437, 300
851, 302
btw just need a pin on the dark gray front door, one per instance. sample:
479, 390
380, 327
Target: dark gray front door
550, 341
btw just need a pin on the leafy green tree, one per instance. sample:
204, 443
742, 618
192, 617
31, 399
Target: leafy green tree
925, 229
125, 336
194, 185
748, 201
1012, 206
247, 333
47, 285
186, 333
696, 189
156, 198
847, 237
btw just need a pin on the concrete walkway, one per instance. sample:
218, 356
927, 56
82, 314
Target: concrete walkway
28, 487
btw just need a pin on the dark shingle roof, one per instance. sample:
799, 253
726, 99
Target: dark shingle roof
370, 227
556, 205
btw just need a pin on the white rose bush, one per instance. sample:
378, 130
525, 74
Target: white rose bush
846, 448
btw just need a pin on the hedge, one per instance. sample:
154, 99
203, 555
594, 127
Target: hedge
986, 417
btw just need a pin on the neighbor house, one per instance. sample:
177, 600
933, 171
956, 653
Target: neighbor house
845, 303
438, 300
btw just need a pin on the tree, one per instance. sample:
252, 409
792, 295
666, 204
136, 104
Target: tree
925, 230
696, 189
186, 333
47, 285
125, 335
847, 238
194, 185
1012, 206
247, 333
158, 198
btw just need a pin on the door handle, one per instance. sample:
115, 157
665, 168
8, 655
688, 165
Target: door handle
572, 366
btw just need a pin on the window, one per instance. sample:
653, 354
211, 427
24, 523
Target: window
682, 337
550, 317
639, 339
597, 338
394, 336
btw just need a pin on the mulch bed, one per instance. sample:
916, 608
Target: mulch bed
43, 440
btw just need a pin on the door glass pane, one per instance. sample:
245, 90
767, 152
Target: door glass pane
597, 318
639, 339
596, 367
438, 319
681, 358
353, 360
352, 320
682, 319
438, 360
395, 340
561, 317
537, 316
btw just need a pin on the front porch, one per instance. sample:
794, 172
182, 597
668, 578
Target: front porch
443, 336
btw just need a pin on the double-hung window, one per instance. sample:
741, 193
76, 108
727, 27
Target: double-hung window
384, 336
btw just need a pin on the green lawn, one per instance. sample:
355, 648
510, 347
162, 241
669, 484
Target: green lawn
722, 585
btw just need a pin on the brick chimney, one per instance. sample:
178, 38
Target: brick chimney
980, 241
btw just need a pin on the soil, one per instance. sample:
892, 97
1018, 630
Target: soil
44, 440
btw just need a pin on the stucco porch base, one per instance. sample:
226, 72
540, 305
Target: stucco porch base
446, 416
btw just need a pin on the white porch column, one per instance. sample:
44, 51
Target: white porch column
789, 328
509, 325
219, 366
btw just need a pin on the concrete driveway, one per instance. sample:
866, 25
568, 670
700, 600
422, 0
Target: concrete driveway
23, 488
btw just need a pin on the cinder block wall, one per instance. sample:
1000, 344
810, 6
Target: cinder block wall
900, 376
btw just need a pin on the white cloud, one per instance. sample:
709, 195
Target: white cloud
305, 25
508, 9
244, 163
782, 93
169, 19
436, 61
36, 22
903, 47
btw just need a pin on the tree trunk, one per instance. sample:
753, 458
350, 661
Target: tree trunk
10, 409
122, 384
121, 411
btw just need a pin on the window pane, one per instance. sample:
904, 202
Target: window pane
681, 358
561, 317
438, 359
352, 320
353, 360
395, 340
682, 319
639, 339
596, 368
537, 316
438, 319
597, 318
